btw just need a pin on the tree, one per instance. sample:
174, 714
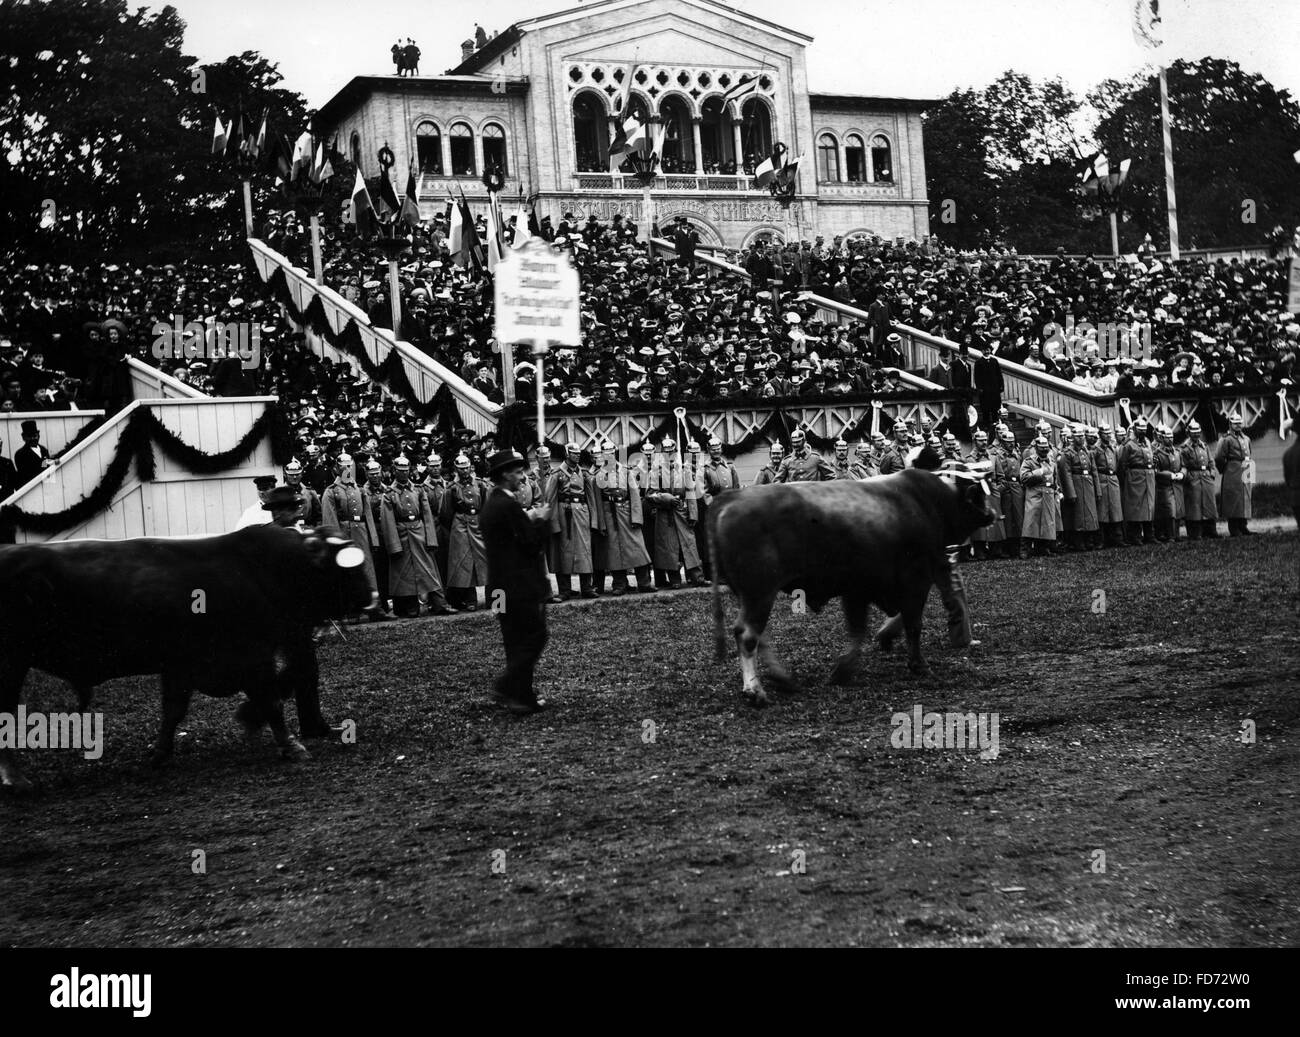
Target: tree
1234, 135
963, 188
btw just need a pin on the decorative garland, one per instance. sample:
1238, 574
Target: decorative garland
440, 410
143, 431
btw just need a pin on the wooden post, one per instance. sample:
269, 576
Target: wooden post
507, 370
395, 297
1114, 233
539, 353
315, 249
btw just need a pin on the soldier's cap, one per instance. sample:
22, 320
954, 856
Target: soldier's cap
293, 467
797, 436
1104, 427
1006, 433
1194, 427
776, 448
669, 443
264, 482
979, 434
372, 466
504, 460
863, 447
841, 443
402, 462
462, 461
1234, 419
715, 442
572, 448
282, 497
343, 460
692, 447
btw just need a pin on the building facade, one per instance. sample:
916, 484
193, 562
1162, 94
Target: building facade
542, 101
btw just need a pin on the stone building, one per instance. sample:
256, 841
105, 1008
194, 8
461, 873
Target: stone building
540, 101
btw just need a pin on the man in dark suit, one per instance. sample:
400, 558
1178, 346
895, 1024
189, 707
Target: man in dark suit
517, 586
987, 377
31, 458
8, 477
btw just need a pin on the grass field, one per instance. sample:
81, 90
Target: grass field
449, 822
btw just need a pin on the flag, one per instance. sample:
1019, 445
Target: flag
219, 137
629, 136
470, 244
765, 173
238, 134
410, 214
739, 91
524, 221
321, 170
786, 174
389, 206
302, 156
495, 246
1146, 23
625, 92
363, 210
257, 145
455, 232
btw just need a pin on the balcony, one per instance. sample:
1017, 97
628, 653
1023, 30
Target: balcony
619, 183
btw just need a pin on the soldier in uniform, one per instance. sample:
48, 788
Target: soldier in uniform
1169, 486
345, 507
987, 541
538, 490
719, 474
311, 513
1013, 491
375, 490
1232, 458
767, 474
618, 496
1110, 504
840, 467
1137, 469
1038, 476
462, 503
949, 450
285, 507
802, 464
894, 457
878, 447
1074, 471
864, 465
672, 495
434, 487
410, 533
575, 515
1198, 493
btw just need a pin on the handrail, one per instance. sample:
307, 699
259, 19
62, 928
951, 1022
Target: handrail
175, 384
465, 393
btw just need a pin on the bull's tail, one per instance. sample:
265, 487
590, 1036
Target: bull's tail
719, 637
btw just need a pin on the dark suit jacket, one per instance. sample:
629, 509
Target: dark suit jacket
8, 478
27, 462
515, 547
988, 375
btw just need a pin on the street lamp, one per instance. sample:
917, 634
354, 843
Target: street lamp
645, 163
391, 244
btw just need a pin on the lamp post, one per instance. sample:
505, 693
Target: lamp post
645, 169
392, 245
307, 196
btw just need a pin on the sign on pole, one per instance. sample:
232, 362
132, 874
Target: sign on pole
536, 290
537, 296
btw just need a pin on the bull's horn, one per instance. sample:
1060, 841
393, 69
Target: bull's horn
350, 557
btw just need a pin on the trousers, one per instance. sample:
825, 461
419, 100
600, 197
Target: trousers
523, 631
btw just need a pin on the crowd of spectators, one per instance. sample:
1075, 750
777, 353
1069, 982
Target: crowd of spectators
666, 329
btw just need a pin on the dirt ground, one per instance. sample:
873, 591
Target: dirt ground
451, 823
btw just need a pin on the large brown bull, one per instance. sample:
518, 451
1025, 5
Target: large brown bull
876, 542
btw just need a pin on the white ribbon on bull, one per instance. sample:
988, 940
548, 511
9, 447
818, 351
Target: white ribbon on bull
1128, 416
971, 471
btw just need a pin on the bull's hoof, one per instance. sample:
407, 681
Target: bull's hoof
17, 785
294, 750
159, 758
756, 698
842, 673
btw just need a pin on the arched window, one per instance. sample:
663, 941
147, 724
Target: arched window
679, 138
356, 150
828, 159
428, 148
717, 138
494, 147
462, 150
855, 158
755, 134
590, 135
881, 164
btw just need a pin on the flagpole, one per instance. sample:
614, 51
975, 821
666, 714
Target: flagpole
1169, 165
539, 352
395, 296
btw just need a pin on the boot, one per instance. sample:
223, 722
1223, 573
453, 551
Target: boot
584, 584
644, 581
565, 582
598, 582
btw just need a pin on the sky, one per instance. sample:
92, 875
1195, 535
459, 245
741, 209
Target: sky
898, 48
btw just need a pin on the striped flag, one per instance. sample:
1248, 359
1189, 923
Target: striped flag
456, 232
741, 90
410, 206
363, 210
220, 134
321, 170
765, 173
470, 244
496, 246
389, 205
302, 156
